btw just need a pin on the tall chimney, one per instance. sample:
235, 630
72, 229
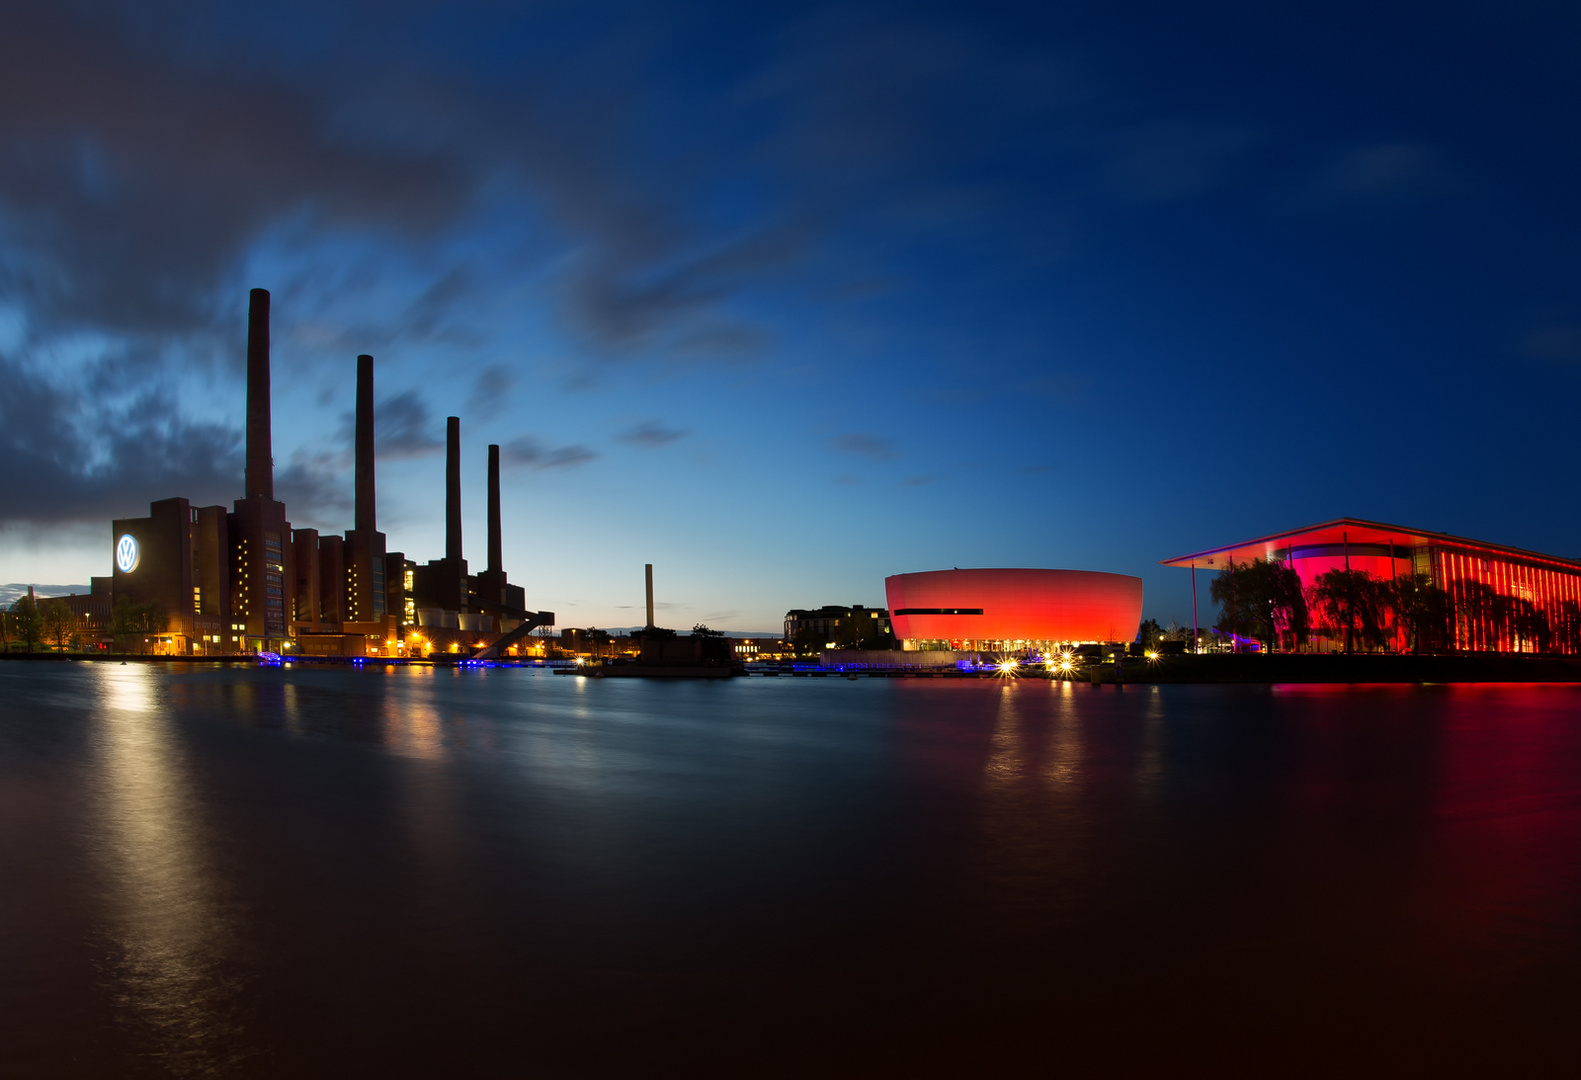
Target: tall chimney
495, 555
365, 519
648, 567
453, 489
260, 457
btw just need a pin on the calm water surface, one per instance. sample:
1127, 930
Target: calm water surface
208, 872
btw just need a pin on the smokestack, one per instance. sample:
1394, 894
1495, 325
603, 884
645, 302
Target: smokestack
495, 555
364, 517
260, 456
453, 489
648, 567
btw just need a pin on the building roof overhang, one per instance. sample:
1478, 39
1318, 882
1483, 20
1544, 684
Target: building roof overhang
1353, 531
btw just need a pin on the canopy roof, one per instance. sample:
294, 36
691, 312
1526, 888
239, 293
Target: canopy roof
1351, 531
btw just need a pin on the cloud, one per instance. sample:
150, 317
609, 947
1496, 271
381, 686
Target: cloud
1383, 173
132, 184
1560, 343
857, 442
71, 457
403, 428
490, 390
527, 451
316, 489
650, 434
1169, 161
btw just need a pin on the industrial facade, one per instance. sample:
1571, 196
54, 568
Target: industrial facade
1012, 609
1499, 598
243, 580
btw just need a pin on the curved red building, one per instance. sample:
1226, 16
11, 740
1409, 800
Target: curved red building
1007, 609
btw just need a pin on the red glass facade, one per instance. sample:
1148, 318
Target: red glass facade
1500, 599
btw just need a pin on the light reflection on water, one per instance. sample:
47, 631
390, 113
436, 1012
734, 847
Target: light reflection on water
453, 872
168, 926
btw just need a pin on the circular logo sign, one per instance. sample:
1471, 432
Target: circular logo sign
126, 553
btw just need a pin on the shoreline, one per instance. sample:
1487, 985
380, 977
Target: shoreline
1204, 669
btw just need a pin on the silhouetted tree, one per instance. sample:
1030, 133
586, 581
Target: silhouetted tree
1481, 610
1230, 590
57, 624
1352, 604
1566, 627
25, 621
699, 630
1419, 608
1528, 625
123, 622
1149, 634
1261, 599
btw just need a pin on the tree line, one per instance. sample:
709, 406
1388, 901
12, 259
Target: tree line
31, 622
1265, 600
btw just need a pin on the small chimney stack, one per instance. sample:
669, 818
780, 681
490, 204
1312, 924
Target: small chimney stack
453, 489
496, 556
260, 455
648, 568
365, 518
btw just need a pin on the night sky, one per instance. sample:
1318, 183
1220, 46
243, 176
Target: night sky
784, 299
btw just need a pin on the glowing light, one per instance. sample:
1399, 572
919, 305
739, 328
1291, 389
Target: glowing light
1007, 666
127, 553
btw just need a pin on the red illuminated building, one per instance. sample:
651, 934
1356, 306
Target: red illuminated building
1499, 599
1012, 609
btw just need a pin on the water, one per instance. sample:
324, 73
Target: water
211, 872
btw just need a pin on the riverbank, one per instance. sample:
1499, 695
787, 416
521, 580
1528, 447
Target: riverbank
1205, 669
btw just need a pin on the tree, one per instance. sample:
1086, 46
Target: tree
57, 623
699, 630
1149, 634
1567, 627
123, 622
808, 640
1261, 599
598, 639
1351, 604
1229, 591
1420, 609
25, 622
152, 618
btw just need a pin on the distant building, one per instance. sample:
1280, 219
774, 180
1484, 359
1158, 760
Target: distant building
834, 623
454, 609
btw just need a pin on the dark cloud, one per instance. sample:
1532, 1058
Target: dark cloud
1558, 342
132, 184
491, 388
857, 442
72, 459
527, 451
1168, 161
403, 428
650, 434
316, 490
1383, 174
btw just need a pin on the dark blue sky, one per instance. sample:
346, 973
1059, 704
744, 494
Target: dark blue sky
786, 299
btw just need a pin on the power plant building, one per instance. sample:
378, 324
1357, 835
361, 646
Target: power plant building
243, 580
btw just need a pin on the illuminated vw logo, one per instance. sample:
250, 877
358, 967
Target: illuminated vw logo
126, 553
